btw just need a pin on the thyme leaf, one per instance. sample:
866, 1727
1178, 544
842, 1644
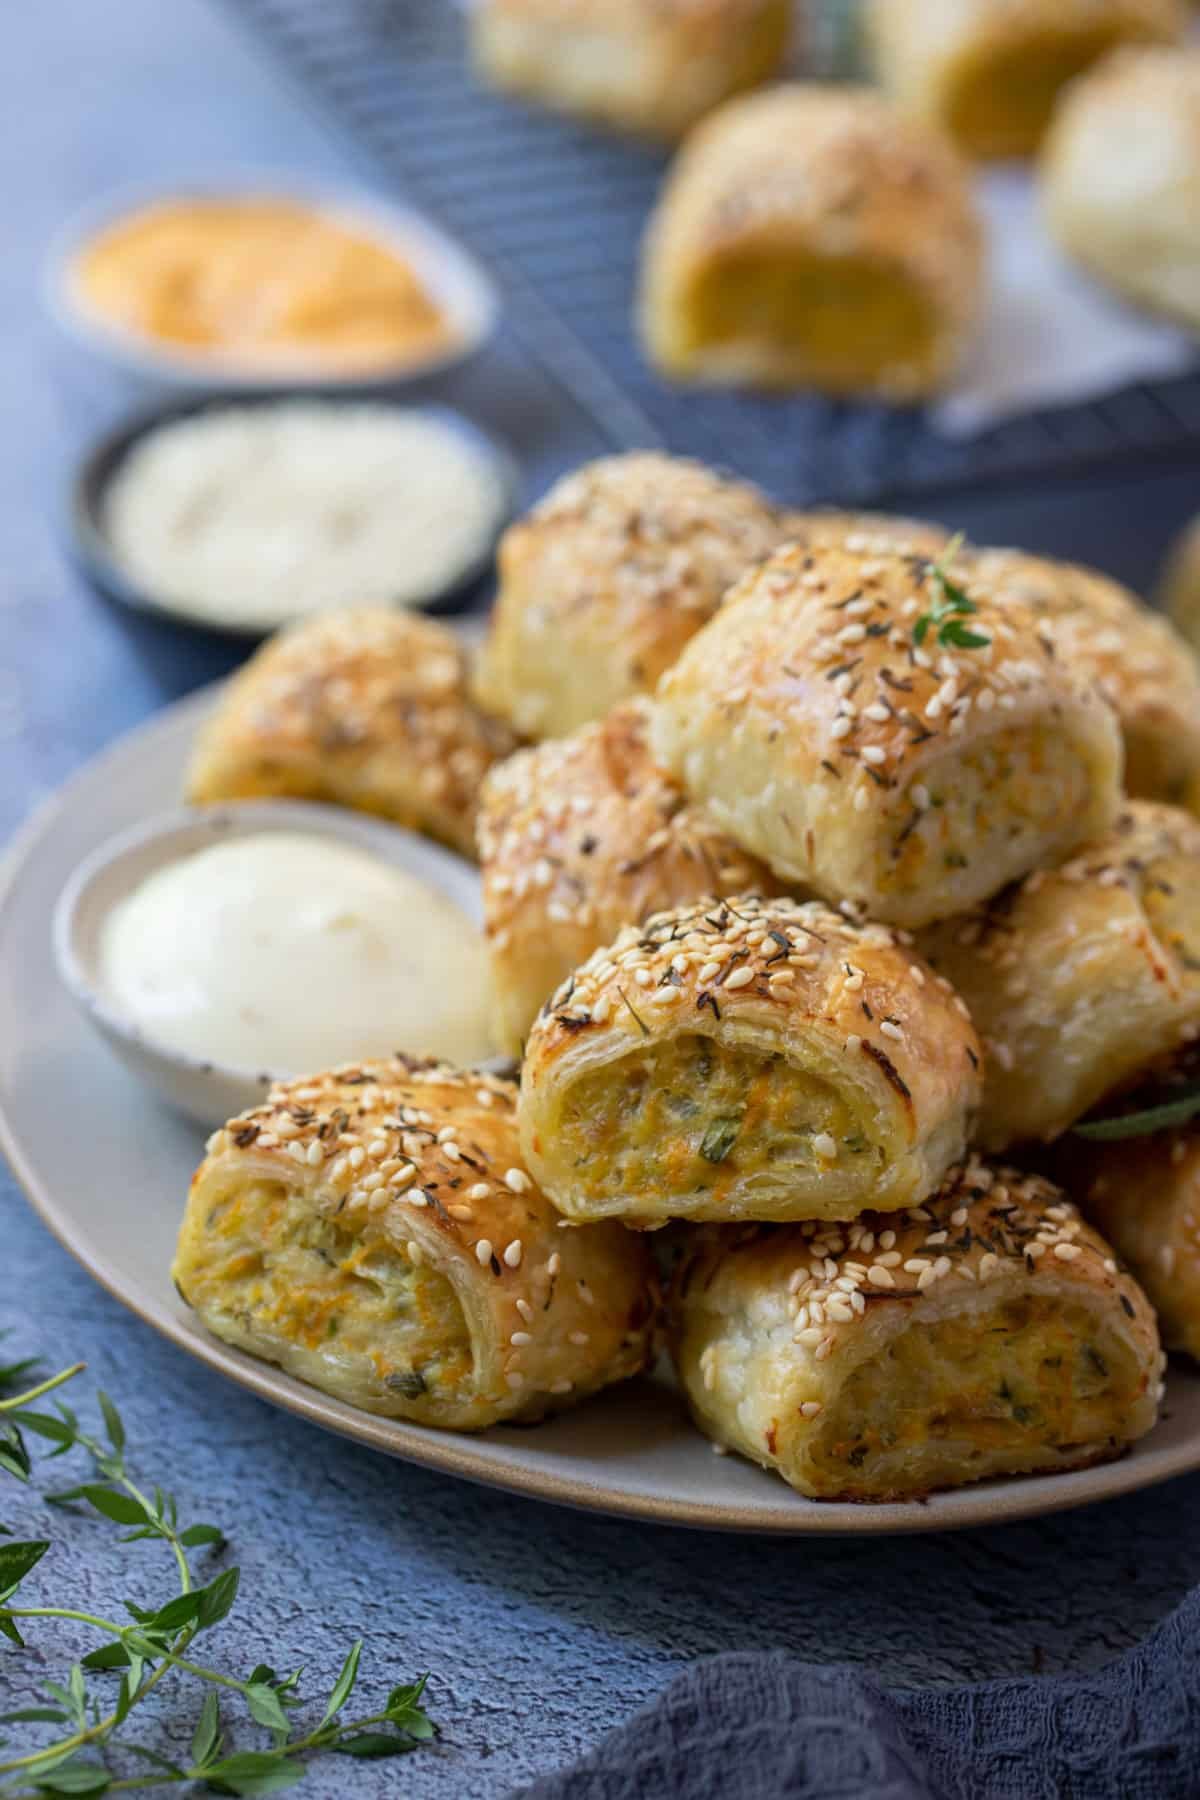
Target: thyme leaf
719, 1139
1144, 1122
950, 606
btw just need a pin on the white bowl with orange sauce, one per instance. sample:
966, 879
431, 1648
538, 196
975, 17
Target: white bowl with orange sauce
265, 284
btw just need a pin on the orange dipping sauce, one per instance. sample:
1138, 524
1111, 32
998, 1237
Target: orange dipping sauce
270, 283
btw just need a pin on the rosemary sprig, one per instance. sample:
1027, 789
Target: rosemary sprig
152, 1642
1163, 1116
951, 605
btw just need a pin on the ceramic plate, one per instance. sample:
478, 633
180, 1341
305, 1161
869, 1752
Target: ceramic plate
112, 1189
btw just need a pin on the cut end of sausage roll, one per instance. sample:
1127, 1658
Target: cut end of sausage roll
577, 838
637, 65
747, 1059
367, 708
605, 581
988, 1333
882, 729
1140, 664
1080, 977
374, 1232
810, 235
991, 71
1120, 178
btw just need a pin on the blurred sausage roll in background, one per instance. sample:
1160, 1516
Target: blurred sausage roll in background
989, 1333
1079, 977
1138, 661
809, 236
747, 1059
991, 71
375, 1233
605, 581
367, 708
1121, 178
888, 733
651, 67
577, 838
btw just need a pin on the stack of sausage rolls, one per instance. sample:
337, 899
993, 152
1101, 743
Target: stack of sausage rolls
837, 938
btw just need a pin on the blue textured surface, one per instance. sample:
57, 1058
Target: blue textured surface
541, 1628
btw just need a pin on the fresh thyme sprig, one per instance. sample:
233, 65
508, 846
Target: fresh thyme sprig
1164, 1115
151, 1642
951, 605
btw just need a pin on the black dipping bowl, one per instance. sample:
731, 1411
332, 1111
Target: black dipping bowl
90, 549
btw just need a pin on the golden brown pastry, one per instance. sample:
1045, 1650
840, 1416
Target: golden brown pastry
810, 236
1078, 978
1140, 664
991, 71
866, 533
990, 1333
1143, 1193
1120, 178
605, 581
851, 722
577, 838
364, 708
648, 66
374, 1232
747, 1059
1181, 584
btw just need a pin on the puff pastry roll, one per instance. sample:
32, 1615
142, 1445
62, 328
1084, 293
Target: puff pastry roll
577, 838
1080, 977
605, 581
991, 71
809, 236
1138, 661
637, 65
1144, 1195
747, 1059
991, 1333
373, 1231
1120, 178
364, 708
852, 723
1180, 592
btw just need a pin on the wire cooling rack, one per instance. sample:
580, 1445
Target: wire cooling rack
557, 211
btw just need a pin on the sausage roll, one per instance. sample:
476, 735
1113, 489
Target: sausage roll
1180, 592
607, 579
809, 236
373, 1231
1138, 661
988, 1332
747, 1059
1080, 977
1144, 1195
643, 66
577, 838
1120, 179
367, 709
884, 732
990, 72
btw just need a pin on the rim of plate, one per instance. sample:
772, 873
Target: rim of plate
453, 274
987, 1504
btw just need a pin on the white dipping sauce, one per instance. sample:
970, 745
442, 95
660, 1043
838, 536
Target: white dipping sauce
290, 953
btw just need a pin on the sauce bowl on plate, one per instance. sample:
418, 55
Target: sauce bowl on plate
213, 1088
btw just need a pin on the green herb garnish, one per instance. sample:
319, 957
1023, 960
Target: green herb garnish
719, 1139
951, 605
89, 1756
1144, 1123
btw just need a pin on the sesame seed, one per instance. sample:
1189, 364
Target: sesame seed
1066, 1252
740, 978
880, 1277
825, 1145
519, 1339
517, 1180
554, 1263
483, 1252
809, 1409
512, 1255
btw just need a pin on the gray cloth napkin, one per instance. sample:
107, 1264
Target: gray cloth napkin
769, 1727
